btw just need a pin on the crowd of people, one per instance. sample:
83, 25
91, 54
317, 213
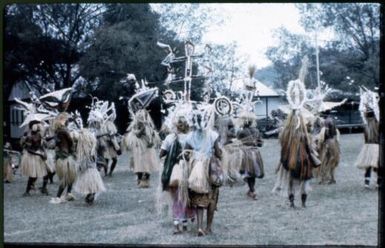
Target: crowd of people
201, 150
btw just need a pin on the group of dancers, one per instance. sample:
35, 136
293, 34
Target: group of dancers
201, 150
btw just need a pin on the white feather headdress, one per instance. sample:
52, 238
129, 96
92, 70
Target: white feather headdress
369, 102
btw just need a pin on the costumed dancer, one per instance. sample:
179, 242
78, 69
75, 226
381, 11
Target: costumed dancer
141, 140
7, 162
231, 154
203, 142
33, 158
109, 138
89, 181
298, 157
66, 166
175, 172
328, 150
251, 163
49, 145
368, 158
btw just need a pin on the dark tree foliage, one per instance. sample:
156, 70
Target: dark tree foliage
43, 43
126, 43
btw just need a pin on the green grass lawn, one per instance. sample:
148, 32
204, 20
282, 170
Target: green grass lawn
344, 213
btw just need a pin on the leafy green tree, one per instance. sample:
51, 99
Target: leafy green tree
126, 43
188, 21
43, 43
358, 28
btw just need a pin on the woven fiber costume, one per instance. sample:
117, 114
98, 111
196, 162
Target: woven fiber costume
66, 166
111, 144
141, 140
89, 181
49, 145
231, 152
251, 162
33, 159
175, 173
206, 154
329, 151
297, 154
368, 158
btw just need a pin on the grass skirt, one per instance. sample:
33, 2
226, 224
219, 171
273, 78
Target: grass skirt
198, 180
145, 158
51, 160
231, 161
7, 169
368, 157
89, 182
252, 164
32, 165
66, 170
329, 156
281, 186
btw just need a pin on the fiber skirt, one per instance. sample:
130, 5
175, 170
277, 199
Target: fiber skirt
281, 186
66, 170
329, 156
51, 160
145, 161
110, 153
32, 165
231, 162
204, 200
368, 157
89, 182
252, 164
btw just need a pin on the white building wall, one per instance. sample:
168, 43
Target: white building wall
16, 119
273, 103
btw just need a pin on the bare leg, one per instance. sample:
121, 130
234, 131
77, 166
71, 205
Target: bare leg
367, 176
200, 221
113, 165
291, 193
303, 193
30, 183
210, 217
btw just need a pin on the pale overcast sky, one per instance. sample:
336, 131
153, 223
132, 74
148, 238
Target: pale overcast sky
252, 26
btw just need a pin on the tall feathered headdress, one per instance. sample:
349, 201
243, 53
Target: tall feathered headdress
142, 98
369, 102
56, 99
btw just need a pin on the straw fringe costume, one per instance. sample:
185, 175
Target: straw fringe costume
203, 195
110, 144
49, 138
231, 152
33, 158
89, 181
142, 140
368, 158
7, 168
297, 155
66, 166
329, 151
176, 168
251, 160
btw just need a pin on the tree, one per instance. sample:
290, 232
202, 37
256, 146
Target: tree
188, 21
226, 66
357, 25
126, 43
43, 43
286, 57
